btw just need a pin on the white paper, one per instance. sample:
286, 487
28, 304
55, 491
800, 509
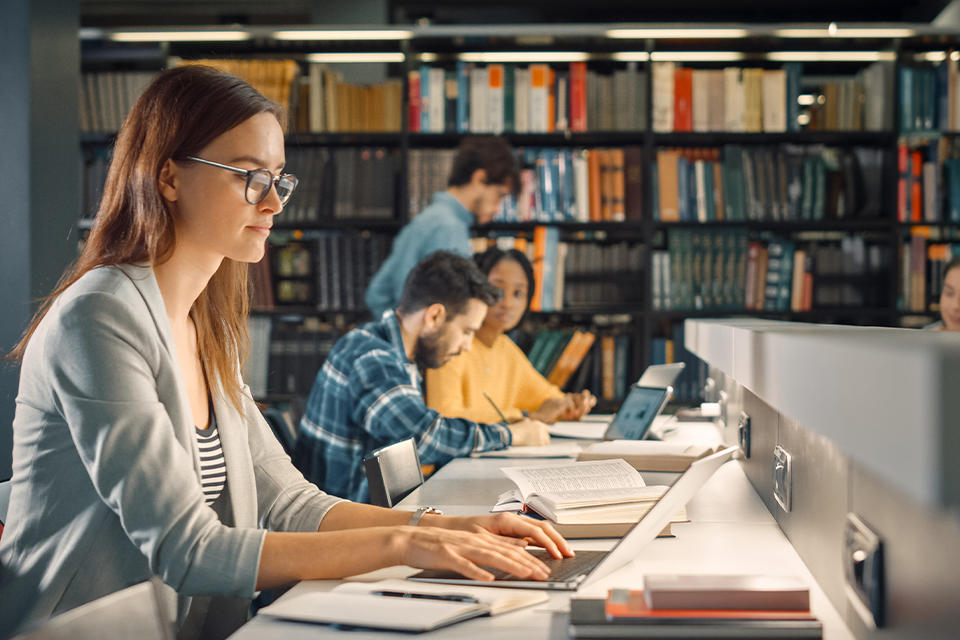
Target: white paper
556, 450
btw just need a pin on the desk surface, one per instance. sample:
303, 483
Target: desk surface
730, 531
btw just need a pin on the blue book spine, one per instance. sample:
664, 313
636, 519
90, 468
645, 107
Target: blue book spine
794, 72
424, 98
943, 97
683, 189
550, 267
708, 187
906, 99
463, 97
655, 182
569, 188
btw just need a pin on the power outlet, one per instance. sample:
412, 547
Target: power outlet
743, 433
783, 478
863, 568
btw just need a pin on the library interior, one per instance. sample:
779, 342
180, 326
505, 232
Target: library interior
715, 246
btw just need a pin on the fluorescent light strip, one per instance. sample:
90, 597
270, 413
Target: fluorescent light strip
524, 56
179, 36
831, 56
630, 56
343, 34
697, 56
428, 57
666, 33
355, 57
805, 99
844, 32
932, 56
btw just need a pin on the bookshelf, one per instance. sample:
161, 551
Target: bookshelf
833, 75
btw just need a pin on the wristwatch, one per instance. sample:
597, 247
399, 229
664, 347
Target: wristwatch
419, 513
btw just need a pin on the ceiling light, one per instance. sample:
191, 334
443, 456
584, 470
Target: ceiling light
697, 56
664, 33
385, 56
180, 36
343, 34
831, 56
833, 31
524, 56
630, 56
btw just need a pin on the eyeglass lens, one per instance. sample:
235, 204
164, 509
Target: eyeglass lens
260, 181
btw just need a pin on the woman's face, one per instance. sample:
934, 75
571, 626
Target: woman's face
950, 300
508, 276
212, 215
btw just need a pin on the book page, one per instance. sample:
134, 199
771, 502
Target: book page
600, 480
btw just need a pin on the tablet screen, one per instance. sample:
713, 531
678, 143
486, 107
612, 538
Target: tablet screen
636, 414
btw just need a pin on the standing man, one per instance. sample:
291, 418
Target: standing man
369, 393
484, 171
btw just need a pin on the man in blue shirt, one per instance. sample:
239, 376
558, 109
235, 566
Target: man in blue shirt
368, 394
484, 171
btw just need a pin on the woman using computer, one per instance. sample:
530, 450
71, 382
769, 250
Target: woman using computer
137, 449
494, 380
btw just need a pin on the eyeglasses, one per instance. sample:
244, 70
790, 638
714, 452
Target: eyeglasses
259, 181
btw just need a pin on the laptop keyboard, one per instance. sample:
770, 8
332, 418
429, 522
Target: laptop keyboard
561, 569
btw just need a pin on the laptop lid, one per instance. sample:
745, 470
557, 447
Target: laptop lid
660, 375
645, 530
637, 412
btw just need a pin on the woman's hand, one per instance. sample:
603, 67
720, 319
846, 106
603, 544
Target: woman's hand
466, 552
572, 406
523, 530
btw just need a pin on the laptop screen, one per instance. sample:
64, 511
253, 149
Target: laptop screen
637, 412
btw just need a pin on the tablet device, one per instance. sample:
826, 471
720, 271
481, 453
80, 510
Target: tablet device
636, 414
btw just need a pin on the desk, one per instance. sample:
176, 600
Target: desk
730, 531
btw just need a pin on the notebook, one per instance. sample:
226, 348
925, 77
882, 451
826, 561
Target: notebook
569, 574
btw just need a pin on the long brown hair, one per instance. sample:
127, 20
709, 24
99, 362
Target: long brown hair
179, 114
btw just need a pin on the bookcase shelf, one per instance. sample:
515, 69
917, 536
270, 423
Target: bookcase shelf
604, 56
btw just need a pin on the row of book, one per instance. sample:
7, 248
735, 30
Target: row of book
342, 183
723, 270
689, 385
534, 98
921, 272
328, 271
326, 103
285, 355
928, 98
928, 184
783, 183
106, 98
574, 359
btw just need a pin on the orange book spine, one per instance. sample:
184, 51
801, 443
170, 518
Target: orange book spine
593, 175
539, 250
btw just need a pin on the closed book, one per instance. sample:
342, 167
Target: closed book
647, 455
731, 591
589, 619
683, 100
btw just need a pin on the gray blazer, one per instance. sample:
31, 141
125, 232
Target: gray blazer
106, 488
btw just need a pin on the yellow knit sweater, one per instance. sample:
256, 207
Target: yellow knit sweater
502, 371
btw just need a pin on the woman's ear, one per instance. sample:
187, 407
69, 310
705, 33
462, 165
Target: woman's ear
169, 181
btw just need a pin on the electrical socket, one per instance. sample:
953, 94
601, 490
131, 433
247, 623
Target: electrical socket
783, 477
863, 569
743, 433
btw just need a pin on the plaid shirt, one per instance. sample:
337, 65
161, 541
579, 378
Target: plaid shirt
368, 395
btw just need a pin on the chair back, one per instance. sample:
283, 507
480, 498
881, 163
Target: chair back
281, 427
393, 472
4, 503
135, 612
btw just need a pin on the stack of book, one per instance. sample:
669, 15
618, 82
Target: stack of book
699, 606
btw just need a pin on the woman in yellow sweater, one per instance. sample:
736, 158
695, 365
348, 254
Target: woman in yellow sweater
495, 366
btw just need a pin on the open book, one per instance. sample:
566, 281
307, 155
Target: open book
647, 455
602, 491
401, 604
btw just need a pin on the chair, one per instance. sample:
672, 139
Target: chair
4, 503
281, 427
393, 472
135, 612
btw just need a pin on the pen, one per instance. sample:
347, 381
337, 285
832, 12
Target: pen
494, 405
426, 596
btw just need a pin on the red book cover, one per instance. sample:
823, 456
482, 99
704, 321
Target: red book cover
916, 187
578, 96
631, 605
683, 99
413, 97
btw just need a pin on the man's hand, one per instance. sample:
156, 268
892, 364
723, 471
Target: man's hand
528, 432
572, 406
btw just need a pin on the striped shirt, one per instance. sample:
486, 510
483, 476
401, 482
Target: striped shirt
213, 470
368, 395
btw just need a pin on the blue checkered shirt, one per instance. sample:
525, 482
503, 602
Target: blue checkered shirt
368, 395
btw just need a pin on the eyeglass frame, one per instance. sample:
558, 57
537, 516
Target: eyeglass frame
274, 179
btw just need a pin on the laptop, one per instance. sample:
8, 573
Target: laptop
569, 574
632, 421
661, 375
